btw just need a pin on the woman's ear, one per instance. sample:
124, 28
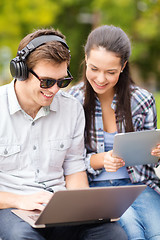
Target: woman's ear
86, 58
123, 66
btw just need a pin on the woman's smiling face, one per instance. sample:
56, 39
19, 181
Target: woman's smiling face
103, 70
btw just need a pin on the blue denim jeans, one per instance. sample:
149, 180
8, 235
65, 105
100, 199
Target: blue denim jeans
13, 228
142, 219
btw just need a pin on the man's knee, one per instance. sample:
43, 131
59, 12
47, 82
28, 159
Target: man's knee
117, 232
112, 231
22, 231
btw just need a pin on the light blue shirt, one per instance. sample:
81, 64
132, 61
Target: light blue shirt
144, 117
37, 153
121, 172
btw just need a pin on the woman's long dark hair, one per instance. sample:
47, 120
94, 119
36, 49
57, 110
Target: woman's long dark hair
113, 39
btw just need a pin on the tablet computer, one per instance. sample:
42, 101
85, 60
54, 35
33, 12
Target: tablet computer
135, 147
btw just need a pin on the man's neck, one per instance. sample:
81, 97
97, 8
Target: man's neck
24, 101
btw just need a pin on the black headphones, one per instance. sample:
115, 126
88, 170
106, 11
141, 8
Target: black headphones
18, 67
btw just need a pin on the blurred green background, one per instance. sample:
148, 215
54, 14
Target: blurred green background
140, 19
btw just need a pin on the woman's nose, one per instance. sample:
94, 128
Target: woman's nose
101, 77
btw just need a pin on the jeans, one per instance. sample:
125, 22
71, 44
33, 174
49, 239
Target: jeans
142, 219
14, 228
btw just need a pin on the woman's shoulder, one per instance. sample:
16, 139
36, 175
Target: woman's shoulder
140, 94
141, 100
77, 91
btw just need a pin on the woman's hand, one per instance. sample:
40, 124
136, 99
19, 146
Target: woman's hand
156, 151
112, 164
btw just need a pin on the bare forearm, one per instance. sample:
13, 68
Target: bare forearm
97, 161
107, 161
77, 180
8, 200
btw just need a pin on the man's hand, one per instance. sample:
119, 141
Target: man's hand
34, 201
25, 202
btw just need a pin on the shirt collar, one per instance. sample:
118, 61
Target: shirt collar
12, 99
55, 103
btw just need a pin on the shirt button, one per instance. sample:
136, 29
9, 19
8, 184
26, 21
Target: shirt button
62, 145
33, 123
5, 151
34, 147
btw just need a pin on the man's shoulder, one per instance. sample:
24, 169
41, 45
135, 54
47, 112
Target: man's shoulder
65, 95
67, 99
3, 90
66, 104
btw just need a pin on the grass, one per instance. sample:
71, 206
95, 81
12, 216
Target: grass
157, 98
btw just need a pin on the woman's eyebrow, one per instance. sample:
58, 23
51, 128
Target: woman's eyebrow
113, 69
92, 65
108, 70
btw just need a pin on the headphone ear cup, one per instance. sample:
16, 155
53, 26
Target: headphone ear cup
23, 71
19, 70
13, 68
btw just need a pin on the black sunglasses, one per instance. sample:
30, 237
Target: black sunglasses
49, 82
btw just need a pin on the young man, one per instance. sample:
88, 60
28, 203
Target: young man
41, 140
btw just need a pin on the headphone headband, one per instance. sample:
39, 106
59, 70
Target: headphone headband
18, 66
37, 42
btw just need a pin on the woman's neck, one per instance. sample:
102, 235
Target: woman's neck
107, 97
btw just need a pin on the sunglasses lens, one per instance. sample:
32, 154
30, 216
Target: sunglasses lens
64, 82
47, 83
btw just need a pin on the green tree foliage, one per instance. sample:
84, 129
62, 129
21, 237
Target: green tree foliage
73, 23
141, 20
75, 18
18, 18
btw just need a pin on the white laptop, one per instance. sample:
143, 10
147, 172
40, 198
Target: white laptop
135, 147
81, 206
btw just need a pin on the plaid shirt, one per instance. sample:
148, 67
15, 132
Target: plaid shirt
144, 117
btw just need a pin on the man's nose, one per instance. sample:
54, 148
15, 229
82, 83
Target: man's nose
54, 89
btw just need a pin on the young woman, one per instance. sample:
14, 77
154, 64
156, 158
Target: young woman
113, 103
